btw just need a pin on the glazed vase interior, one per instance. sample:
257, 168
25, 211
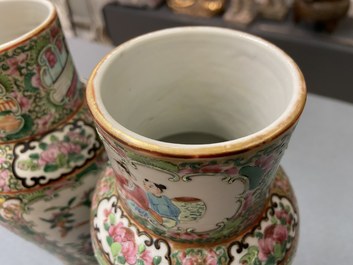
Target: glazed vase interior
32, 13
214, 83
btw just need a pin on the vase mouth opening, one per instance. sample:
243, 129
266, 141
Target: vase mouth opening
23, 19
207, 80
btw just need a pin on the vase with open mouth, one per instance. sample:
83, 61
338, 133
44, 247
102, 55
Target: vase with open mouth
195, 122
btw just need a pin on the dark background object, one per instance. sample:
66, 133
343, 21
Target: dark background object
325, 59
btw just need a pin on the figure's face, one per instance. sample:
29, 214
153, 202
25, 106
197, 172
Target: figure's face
151, 187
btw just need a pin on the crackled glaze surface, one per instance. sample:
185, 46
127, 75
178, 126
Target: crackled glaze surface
118, 238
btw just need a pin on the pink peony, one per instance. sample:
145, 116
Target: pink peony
146, 257
24, 102
273, 234
48, 156
126, 238
129, 251
78, 138
68, 148
266, 248
15, 62
283, 215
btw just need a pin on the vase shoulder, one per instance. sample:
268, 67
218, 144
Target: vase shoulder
272, 236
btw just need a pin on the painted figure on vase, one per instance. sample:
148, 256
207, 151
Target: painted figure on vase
160, 205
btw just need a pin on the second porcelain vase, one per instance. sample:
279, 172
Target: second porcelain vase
50, 153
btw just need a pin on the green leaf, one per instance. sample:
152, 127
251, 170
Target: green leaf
115, 248
110, 240
50, 168
61, 160
157, 260
43, 146
259, 235
106, 226
66, 139
34, 156
257, 261
254, 175
53, 138
271, 260
112, 218
142, 248
121, 259
140, 262
277, 251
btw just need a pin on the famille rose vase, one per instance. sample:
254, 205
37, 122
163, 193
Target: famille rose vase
166, 200
50, 153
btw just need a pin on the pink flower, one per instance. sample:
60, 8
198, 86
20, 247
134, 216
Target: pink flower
36, 81
44, 122
231, 171
106, 213
186, 171
48, 156
283, 215
266, 248
54, 31
78, 138
126, 238
68, 148
208, 258
23, 101
15, 62
120, 233
265, 162
211, 169
59, 43
129, 251
273, 234
146, 257
51, 57
4, 176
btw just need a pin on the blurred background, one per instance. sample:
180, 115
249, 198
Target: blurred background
318, 34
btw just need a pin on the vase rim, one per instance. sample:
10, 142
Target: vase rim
43, 25
285, 122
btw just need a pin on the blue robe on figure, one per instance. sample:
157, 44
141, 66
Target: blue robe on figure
163, 206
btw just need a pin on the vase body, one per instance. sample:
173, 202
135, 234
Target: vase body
49, 150
166, 201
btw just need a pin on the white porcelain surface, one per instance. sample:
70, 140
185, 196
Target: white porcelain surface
32, 13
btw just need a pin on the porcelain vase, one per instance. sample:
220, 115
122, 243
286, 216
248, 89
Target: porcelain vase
50, 153
166, 200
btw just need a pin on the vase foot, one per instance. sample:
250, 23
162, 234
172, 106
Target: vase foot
119, 239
